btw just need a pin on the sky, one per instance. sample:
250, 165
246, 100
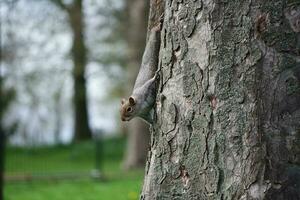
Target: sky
36, 33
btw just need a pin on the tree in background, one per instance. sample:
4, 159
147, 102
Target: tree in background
2, 154
79, 55
35, 33
41, 31
138, 130
2, 146
4, 100
228, 112
6, 97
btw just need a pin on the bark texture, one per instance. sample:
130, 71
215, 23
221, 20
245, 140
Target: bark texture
138, 130
228, 106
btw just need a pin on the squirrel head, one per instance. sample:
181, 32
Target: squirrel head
128, 109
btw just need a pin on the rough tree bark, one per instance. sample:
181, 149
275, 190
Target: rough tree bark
138, 130
228, 106
82, 129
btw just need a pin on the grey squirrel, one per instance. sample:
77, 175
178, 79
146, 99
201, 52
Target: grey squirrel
142, 100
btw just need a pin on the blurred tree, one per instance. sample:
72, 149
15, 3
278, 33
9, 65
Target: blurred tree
2, 141
2, 154
3, 105
46, 35
36, 44
79, 55
58, 118
6, 96
2, 149
136, 29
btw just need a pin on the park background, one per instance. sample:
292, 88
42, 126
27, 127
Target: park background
65, 65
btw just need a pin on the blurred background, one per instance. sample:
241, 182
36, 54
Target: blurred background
64, 66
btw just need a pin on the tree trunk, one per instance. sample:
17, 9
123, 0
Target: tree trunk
139, 135
81, 126
137, 145
4, 101
2, 156
228, 105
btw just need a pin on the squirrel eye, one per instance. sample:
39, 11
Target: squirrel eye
129, 109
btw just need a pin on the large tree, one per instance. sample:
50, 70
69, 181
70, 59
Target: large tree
79, 54
228, 105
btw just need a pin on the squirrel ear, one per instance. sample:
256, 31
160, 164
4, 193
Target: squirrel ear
123, 101
131, 101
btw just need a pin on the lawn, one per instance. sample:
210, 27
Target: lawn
76, 158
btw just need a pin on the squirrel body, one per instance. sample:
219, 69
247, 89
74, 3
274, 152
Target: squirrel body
141, 102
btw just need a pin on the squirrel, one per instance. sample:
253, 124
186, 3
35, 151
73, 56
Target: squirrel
141, 102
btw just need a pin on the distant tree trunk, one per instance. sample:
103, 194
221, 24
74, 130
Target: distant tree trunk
79, 54
137, 145
2, 158
82, 129
139, 135
228, 106
3, 104
58, 118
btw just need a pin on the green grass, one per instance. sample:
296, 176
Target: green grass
75, 190
118, 185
